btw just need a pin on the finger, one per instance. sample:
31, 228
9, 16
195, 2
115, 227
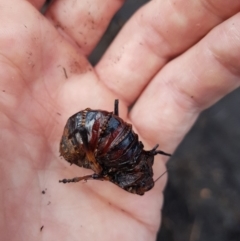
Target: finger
190, 83
156, 33
83, 21
43, 54
37, 3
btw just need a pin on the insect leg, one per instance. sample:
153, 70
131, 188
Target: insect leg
90, 155
116, 107
154, 151
85, 178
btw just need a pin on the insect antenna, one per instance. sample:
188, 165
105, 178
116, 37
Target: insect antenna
161, 175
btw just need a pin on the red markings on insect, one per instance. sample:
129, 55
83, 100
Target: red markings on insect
102, 141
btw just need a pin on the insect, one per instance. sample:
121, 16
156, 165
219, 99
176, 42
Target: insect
102, 141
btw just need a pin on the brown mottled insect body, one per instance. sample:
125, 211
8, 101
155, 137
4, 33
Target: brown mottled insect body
103, 142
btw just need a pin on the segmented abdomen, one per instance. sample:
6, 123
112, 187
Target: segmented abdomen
110, 138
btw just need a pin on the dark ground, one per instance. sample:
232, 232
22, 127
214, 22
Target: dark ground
202, 195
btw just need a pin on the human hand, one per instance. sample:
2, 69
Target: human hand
45, 78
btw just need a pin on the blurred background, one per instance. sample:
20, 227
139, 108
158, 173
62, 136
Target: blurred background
203, 192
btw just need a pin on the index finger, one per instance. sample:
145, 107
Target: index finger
190, 83
158, 32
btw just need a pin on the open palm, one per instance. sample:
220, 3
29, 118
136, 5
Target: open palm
45, 78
